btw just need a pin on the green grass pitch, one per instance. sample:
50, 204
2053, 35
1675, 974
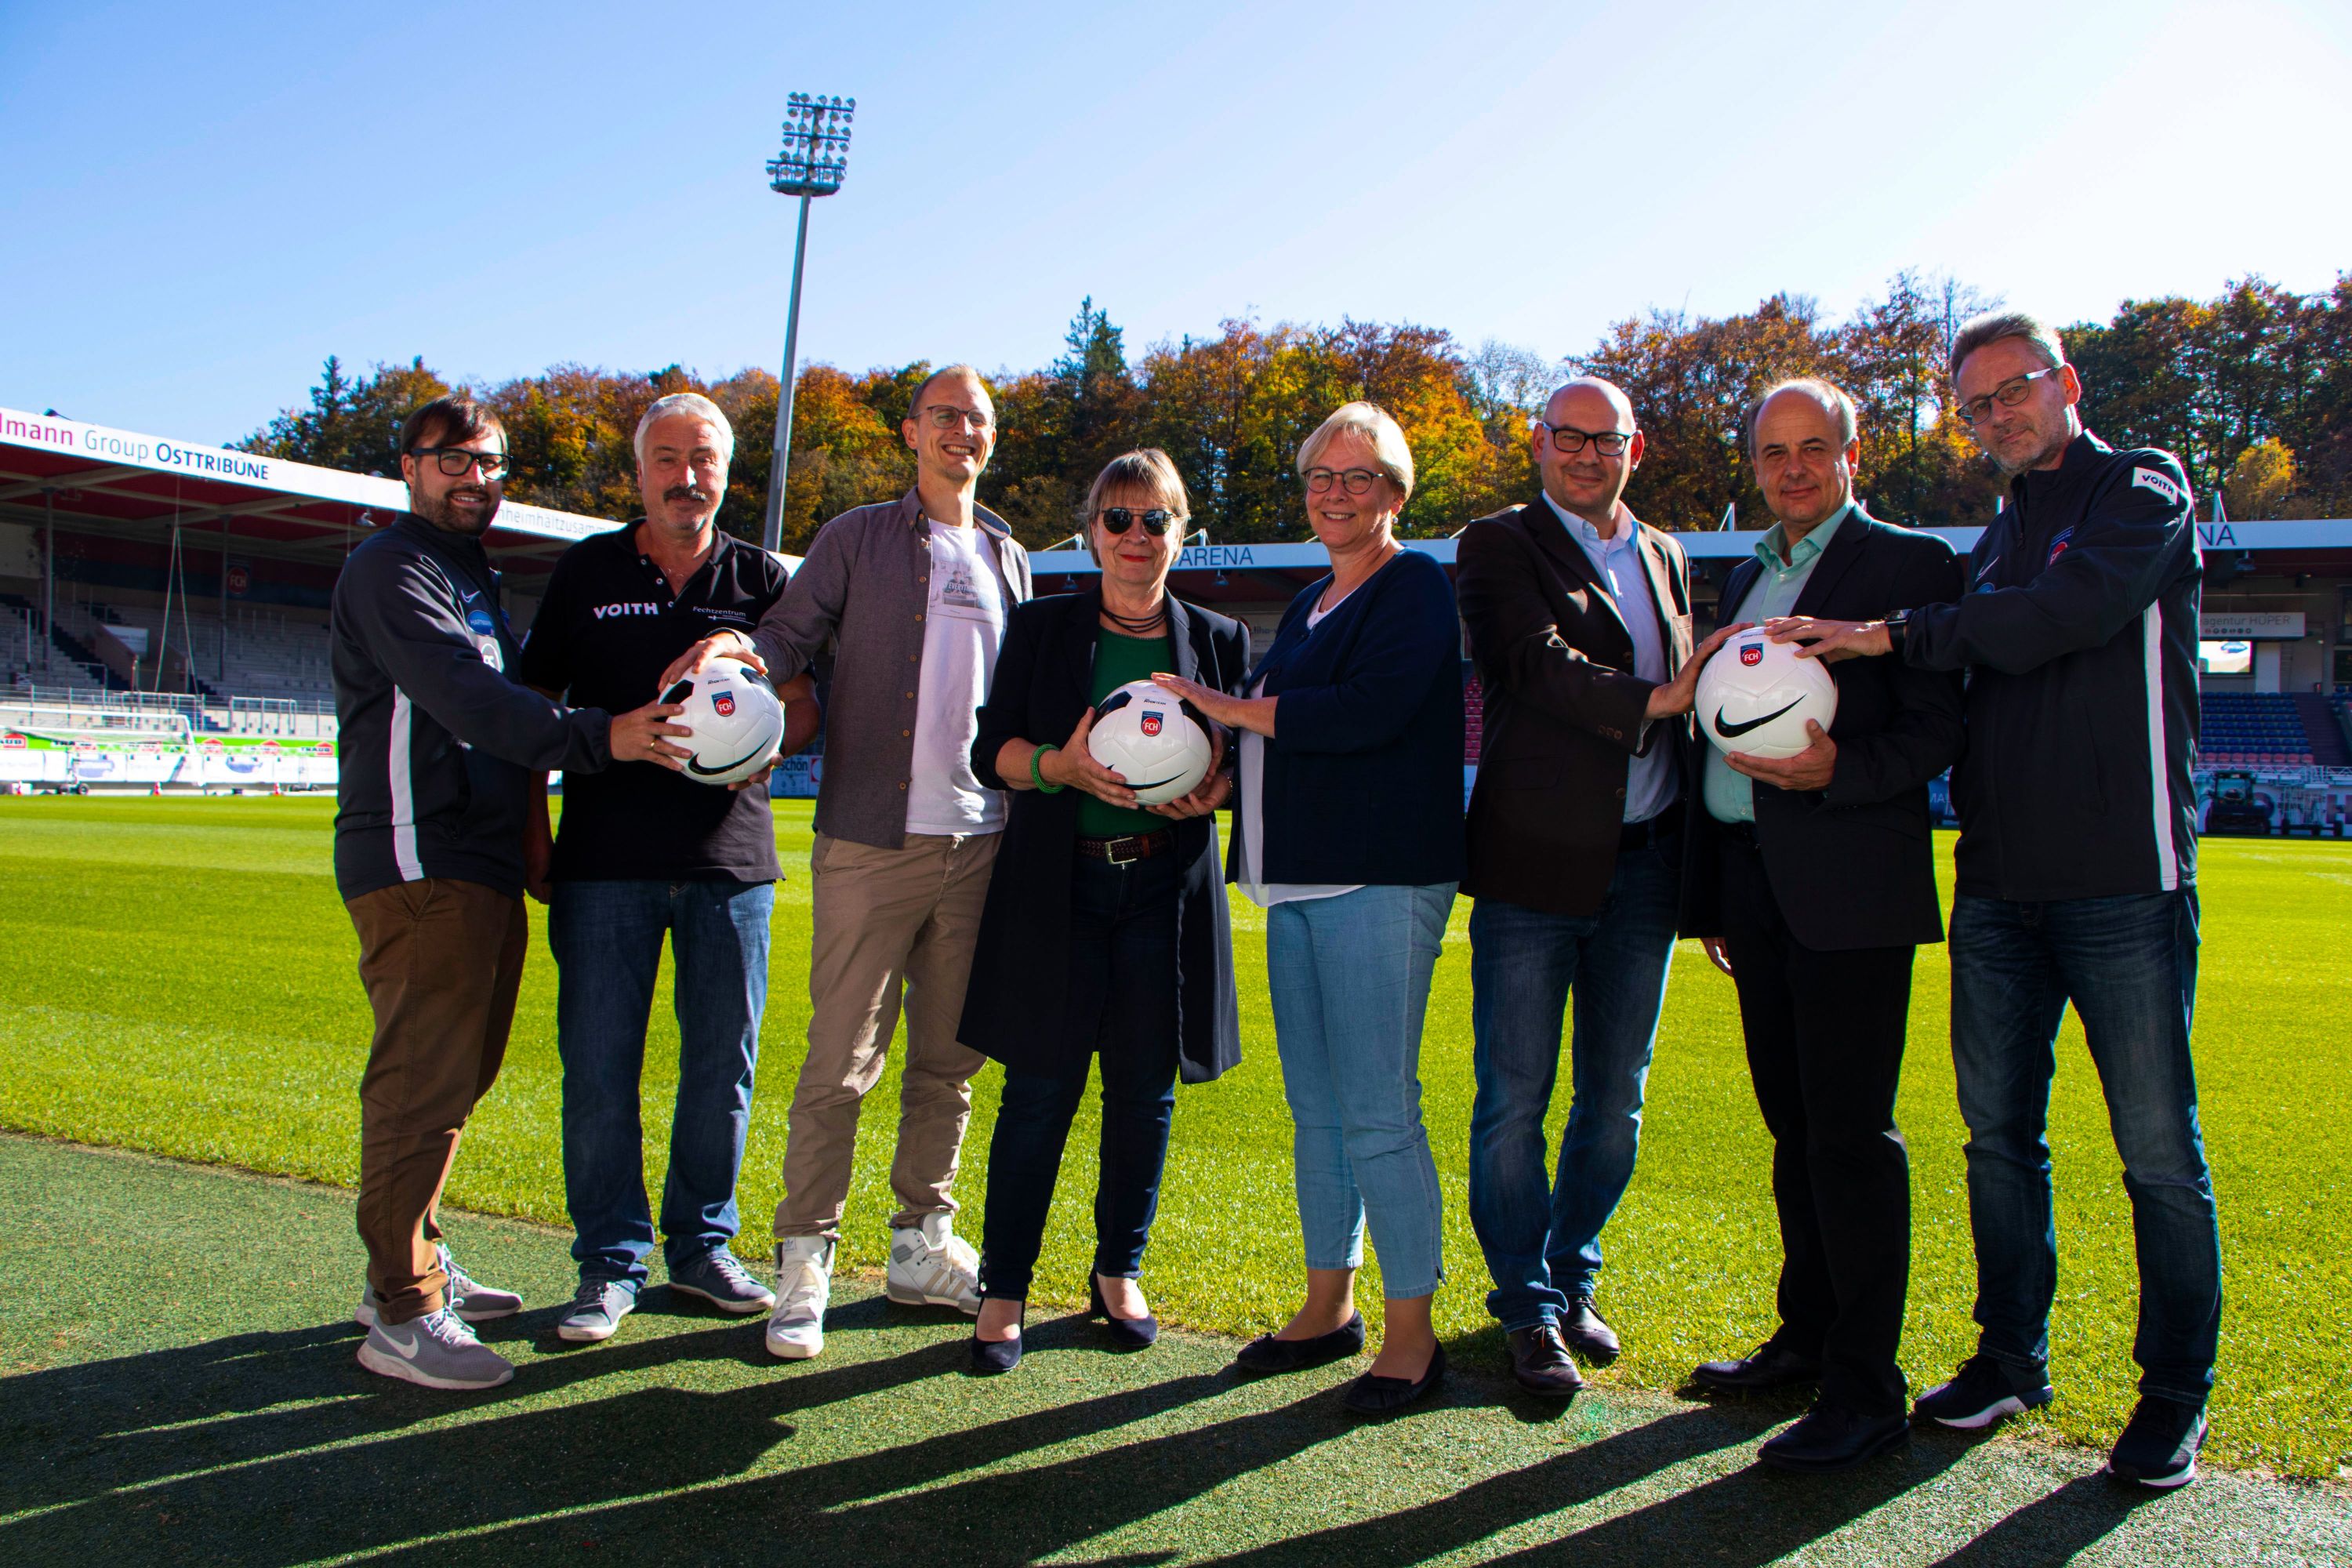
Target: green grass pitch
178, 977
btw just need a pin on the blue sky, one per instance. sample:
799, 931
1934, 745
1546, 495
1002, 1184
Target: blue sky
202, 203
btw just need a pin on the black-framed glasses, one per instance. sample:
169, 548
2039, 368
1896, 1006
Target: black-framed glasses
946, 417
1608, 443
1119, 519
1355, 482
2009, 395
454, 461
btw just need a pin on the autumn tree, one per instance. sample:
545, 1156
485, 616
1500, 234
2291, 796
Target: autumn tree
350, 425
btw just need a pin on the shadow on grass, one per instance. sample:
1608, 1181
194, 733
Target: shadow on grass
2054, 1528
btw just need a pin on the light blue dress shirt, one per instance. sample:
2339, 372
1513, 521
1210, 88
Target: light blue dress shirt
1731, 796
1650, 781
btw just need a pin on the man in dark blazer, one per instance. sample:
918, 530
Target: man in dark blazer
1811, 879
1579, 620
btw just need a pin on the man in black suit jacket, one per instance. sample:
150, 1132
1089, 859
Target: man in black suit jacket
1812, 878
1579, 616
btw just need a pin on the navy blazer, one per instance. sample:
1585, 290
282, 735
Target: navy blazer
1363, 775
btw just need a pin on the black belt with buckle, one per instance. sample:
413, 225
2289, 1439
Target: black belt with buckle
1133, 847
1650, 830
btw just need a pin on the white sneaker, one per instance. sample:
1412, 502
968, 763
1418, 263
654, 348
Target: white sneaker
930, 1266
438, 1351
804, 1287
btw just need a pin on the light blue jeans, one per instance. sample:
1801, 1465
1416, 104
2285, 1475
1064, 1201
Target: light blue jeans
1349, 978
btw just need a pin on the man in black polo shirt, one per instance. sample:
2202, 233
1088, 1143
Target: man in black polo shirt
645, 851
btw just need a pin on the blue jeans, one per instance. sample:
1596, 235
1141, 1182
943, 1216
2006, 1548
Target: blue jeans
2129, 966
1349, 978
608, 941
1542, 1239
1122, 1002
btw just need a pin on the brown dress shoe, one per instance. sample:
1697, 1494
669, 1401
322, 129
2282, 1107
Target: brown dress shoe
1540, 1361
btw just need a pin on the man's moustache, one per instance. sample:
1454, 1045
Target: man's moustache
685, 492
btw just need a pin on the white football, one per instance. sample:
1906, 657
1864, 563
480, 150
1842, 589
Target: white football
1754, 695
1142, 734
737, 724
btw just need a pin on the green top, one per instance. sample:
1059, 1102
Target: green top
1117, 660
1730, 796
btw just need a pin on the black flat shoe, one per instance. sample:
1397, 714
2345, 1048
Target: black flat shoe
1769, 1367
1541, 1364
1369, 1396
990, 1357
1831, 1438
1267, 1353
1125, 1334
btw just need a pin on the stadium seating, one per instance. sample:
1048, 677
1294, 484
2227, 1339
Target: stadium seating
2251, 729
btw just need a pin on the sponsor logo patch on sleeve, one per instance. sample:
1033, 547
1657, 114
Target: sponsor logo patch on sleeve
2149, 479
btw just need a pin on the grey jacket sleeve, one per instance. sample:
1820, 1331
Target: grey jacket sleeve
398, 608
796, 627
2130, 542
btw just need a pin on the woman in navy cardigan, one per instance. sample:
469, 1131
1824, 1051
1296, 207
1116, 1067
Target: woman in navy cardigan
1349, 832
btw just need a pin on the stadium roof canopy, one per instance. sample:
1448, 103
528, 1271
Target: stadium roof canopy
93, 478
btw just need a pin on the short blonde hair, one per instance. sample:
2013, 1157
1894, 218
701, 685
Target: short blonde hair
1149, 469
1371, 421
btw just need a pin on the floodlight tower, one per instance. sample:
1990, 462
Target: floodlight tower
814, 162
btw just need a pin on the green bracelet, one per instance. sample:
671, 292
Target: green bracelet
1037, 778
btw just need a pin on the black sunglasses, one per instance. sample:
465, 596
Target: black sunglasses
1118, 520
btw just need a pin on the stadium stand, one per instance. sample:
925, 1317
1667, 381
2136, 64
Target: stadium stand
2247, 728
2323, 729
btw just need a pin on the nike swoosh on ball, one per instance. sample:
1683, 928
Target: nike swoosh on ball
1727, 729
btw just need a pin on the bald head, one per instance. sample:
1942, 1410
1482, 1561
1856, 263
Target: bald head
1585, 447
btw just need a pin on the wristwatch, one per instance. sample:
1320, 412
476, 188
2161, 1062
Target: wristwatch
1898, 623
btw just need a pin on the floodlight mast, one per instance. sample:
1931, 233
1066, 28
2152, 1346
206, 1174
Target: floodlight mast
814, 162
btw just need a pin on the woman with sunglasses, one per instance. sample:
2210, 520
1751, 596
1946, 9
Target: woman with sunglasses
1349, 833
1105, 929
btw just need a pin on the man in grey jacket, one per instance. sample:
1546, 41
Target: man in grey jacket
912, 596
437, 743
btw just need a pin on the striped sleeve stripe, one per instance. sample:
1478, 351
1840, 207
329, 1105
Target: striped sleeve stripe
2160, 773
403, 794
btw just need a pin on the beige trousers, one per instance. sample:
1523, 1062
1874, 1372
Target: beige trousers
883, 919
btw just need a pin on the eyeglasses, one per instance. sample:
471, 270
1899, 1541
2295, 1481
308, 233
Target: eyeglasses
1355, 482
1608, 443
946, 416
2009, 395
456, 461
1118, 520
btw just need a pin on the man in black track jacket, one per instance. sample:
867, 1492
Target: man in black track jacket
436, 743
2076, 876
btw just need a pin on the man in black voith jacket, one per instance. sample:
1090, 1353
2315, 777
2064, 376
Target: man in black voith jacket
2076, 876
436, 743
1812, 880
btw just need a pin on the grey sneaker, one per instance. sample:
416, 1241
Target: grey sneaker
475, 1301
804, 1287
438, 1351
597, 1308
725, 1284
930, 1266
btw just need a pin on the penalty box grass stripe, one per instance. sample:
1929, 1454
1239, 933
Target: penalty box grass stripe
205, 1005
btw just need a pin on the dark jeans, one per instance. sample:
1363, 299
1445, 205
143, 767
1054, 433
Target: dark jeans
608, 941
2129, 966
1825, 1036
1121, 1003
1542, 1240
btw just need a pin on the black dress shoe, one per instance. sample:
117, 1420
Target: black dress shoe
1369, 1396
1769, 1367
990, 1357
1125, 1334
1587, 1335
1267, 1353
1541, 1363
1832, 1438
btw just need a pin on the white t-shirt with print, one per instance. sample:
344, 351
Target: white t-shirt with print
963, 628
